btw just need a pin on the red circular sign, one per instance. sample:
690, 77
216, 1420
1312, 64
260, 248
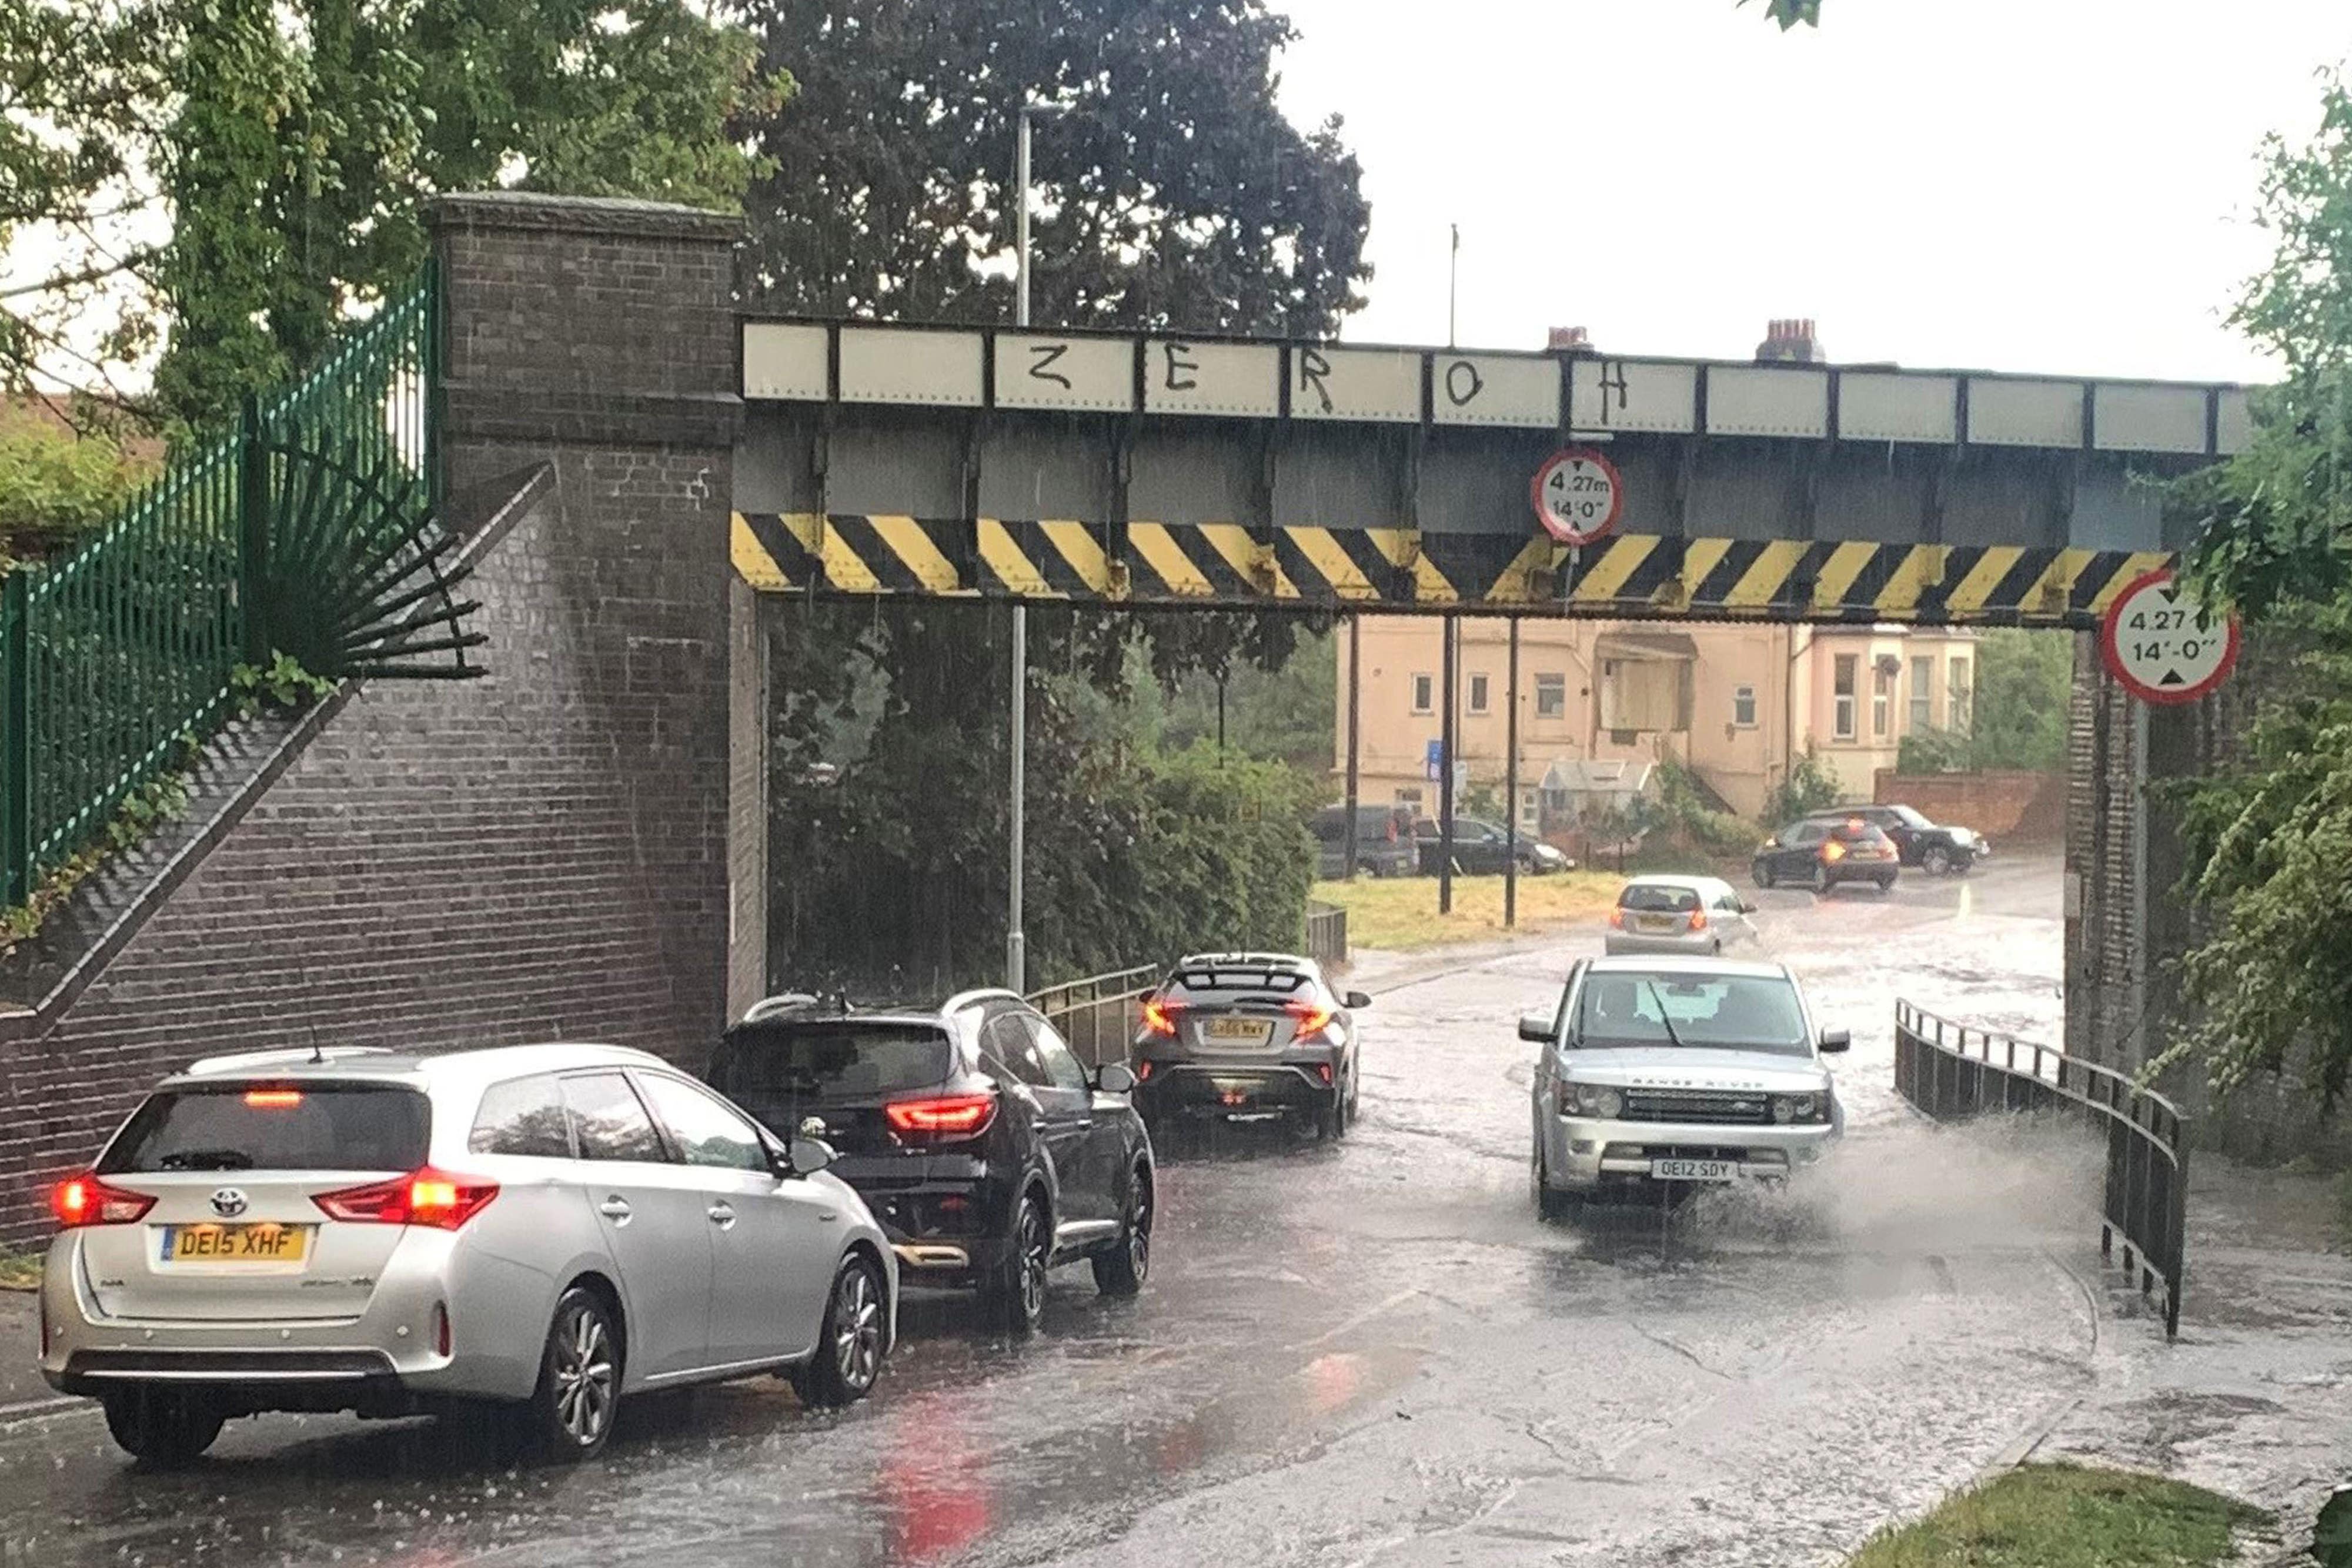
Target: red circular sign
1578, 495
2160, 646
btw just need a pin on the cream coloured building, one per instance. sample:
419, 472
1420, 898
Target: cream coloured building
1737, 703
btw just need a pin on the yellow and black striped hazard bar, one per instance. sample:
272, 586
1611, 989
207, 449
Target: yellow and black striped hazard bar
1228, 566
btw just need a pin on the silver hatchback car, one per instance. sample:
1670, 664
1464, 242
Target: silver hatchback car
542, 1230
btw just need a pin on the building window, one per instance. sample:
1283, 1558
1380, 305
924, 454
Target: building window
1552, 696
1843, 707
1922, 695
1959, 697
1743, 706
1409, 798
1530, 810
1882, 701
1477, 693
1424, 693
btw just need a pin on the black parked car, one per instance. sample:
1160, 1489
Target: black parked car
1384, 844
1934, 849
1249, 1037
987, 1151
1482, 849
1820, 853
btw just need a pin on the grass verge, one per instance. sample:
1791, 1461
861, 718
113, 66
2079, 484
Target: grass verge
1399, 915
19, 1270
2063, 1516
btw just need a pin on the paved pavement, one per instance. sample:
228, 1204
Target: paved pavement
1368, 1354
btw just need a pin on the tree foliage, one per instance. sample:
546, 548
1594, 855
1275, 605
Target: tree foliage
224, 179
56, 485
2018, 719
2269, 840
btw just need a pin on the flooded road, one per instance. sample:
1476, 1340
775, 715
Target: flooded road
1368, 1353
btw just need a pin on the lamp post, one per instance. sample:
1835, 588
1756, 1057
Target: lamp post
1016, 941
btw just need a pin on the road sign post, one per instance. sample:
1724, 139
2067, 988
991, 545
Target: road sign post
1578, 495
2161, 646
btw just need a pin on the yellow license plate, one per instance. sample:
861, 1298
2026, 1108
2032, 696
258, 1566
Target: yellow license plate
236, 1243
1239, 1028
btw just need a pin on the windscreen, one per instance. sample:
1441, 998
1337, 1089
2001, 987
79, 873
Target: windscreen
1745, 1012
761, 1064
306, 1127
1237, 987
1652, 896
1911, 819
1858, 833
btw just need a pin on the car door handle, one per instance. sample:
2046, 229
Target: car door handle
615, 1208
721, 1215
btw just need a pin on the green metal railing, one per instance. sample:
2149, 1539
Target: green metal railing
309, 528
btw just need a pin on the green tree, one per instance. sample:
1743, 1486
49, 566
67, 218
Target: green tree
56, 485
284, 149
2269, 840
2024, 681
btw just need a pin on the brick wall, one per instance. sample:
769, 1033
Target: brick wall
2103, 871
2002, 806
541, 853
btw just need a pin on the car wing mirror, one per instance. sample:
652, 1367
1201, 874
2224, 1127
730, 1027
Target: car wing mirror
1535, 1027
1836, 1040
1115, 1078
1355, 1000
806, 1156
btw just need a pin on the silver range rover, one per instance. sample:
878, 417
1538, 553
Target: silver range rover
1675, 1073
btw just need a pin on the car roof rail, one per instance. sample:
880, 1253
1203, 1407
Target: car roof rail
295, 1056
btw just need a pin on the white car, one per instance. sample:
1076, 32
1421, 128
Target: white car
1701, 914
546, 1228
1676, 1072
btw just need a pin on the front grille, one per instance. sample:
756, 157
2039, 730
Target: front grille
1736, 1107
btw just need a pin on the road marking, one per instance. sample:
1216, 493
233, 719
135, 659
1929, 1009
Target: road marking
1349, 1325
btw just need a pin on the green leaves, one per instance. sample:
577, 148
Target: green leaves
1791, 13
282, 685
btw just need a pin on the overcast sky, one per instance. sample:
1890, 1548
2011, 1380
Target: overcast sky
2007, 184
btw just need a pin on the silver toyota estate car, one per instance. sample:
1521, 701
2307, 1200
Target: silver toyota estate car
533, 1230
1665, 1073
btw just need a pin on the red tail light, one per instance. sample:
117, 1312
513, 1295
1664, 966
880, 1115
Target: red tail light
1833, 850
426, 1197
949, 1116
1698, 920
1323, 1071
86, 1200
1313, 1017
1143, 1070
1159, 1015
1617, 918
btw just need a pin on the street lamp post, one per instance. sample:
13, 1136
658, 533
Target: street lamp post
1016, 941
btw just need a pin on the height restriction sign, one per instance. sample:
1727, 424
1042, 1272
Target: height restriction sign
2162, 645
1577, 494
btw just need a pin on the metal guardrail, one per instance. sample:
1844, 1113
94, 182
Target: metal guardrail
308, 529
1951, 1072
1099, 1014
1327, 933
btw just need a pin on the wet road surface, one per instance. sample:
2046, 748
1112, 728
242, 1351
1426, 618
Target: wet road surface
1360, 1355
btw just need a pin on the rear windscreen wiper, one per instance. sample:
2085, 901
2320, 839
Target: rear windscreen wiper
206, 1160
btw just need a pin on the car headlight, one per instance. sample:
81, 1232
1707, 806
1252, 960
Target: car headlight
1590, 1100
1792, 1108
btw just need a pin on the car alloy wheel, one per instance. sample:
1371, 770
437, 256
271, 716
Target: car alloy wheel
1122, 1271
850, 1346
1820, 877
579, 1379
1762, 872
1936, 860
1021, 1294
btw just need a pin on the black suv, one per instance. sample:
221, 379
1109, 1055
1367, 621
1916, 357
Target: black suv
1933, 848
1249, 1037
987, 1152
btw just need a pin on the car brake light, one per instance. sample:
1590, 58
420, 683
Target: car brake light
426, 1197
1313, 1017
1142, 1069
953, 1115
86, 1200
1833, 850
273, 1098
1617, 918
1698, 920
1159, 1015
1323, 1071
